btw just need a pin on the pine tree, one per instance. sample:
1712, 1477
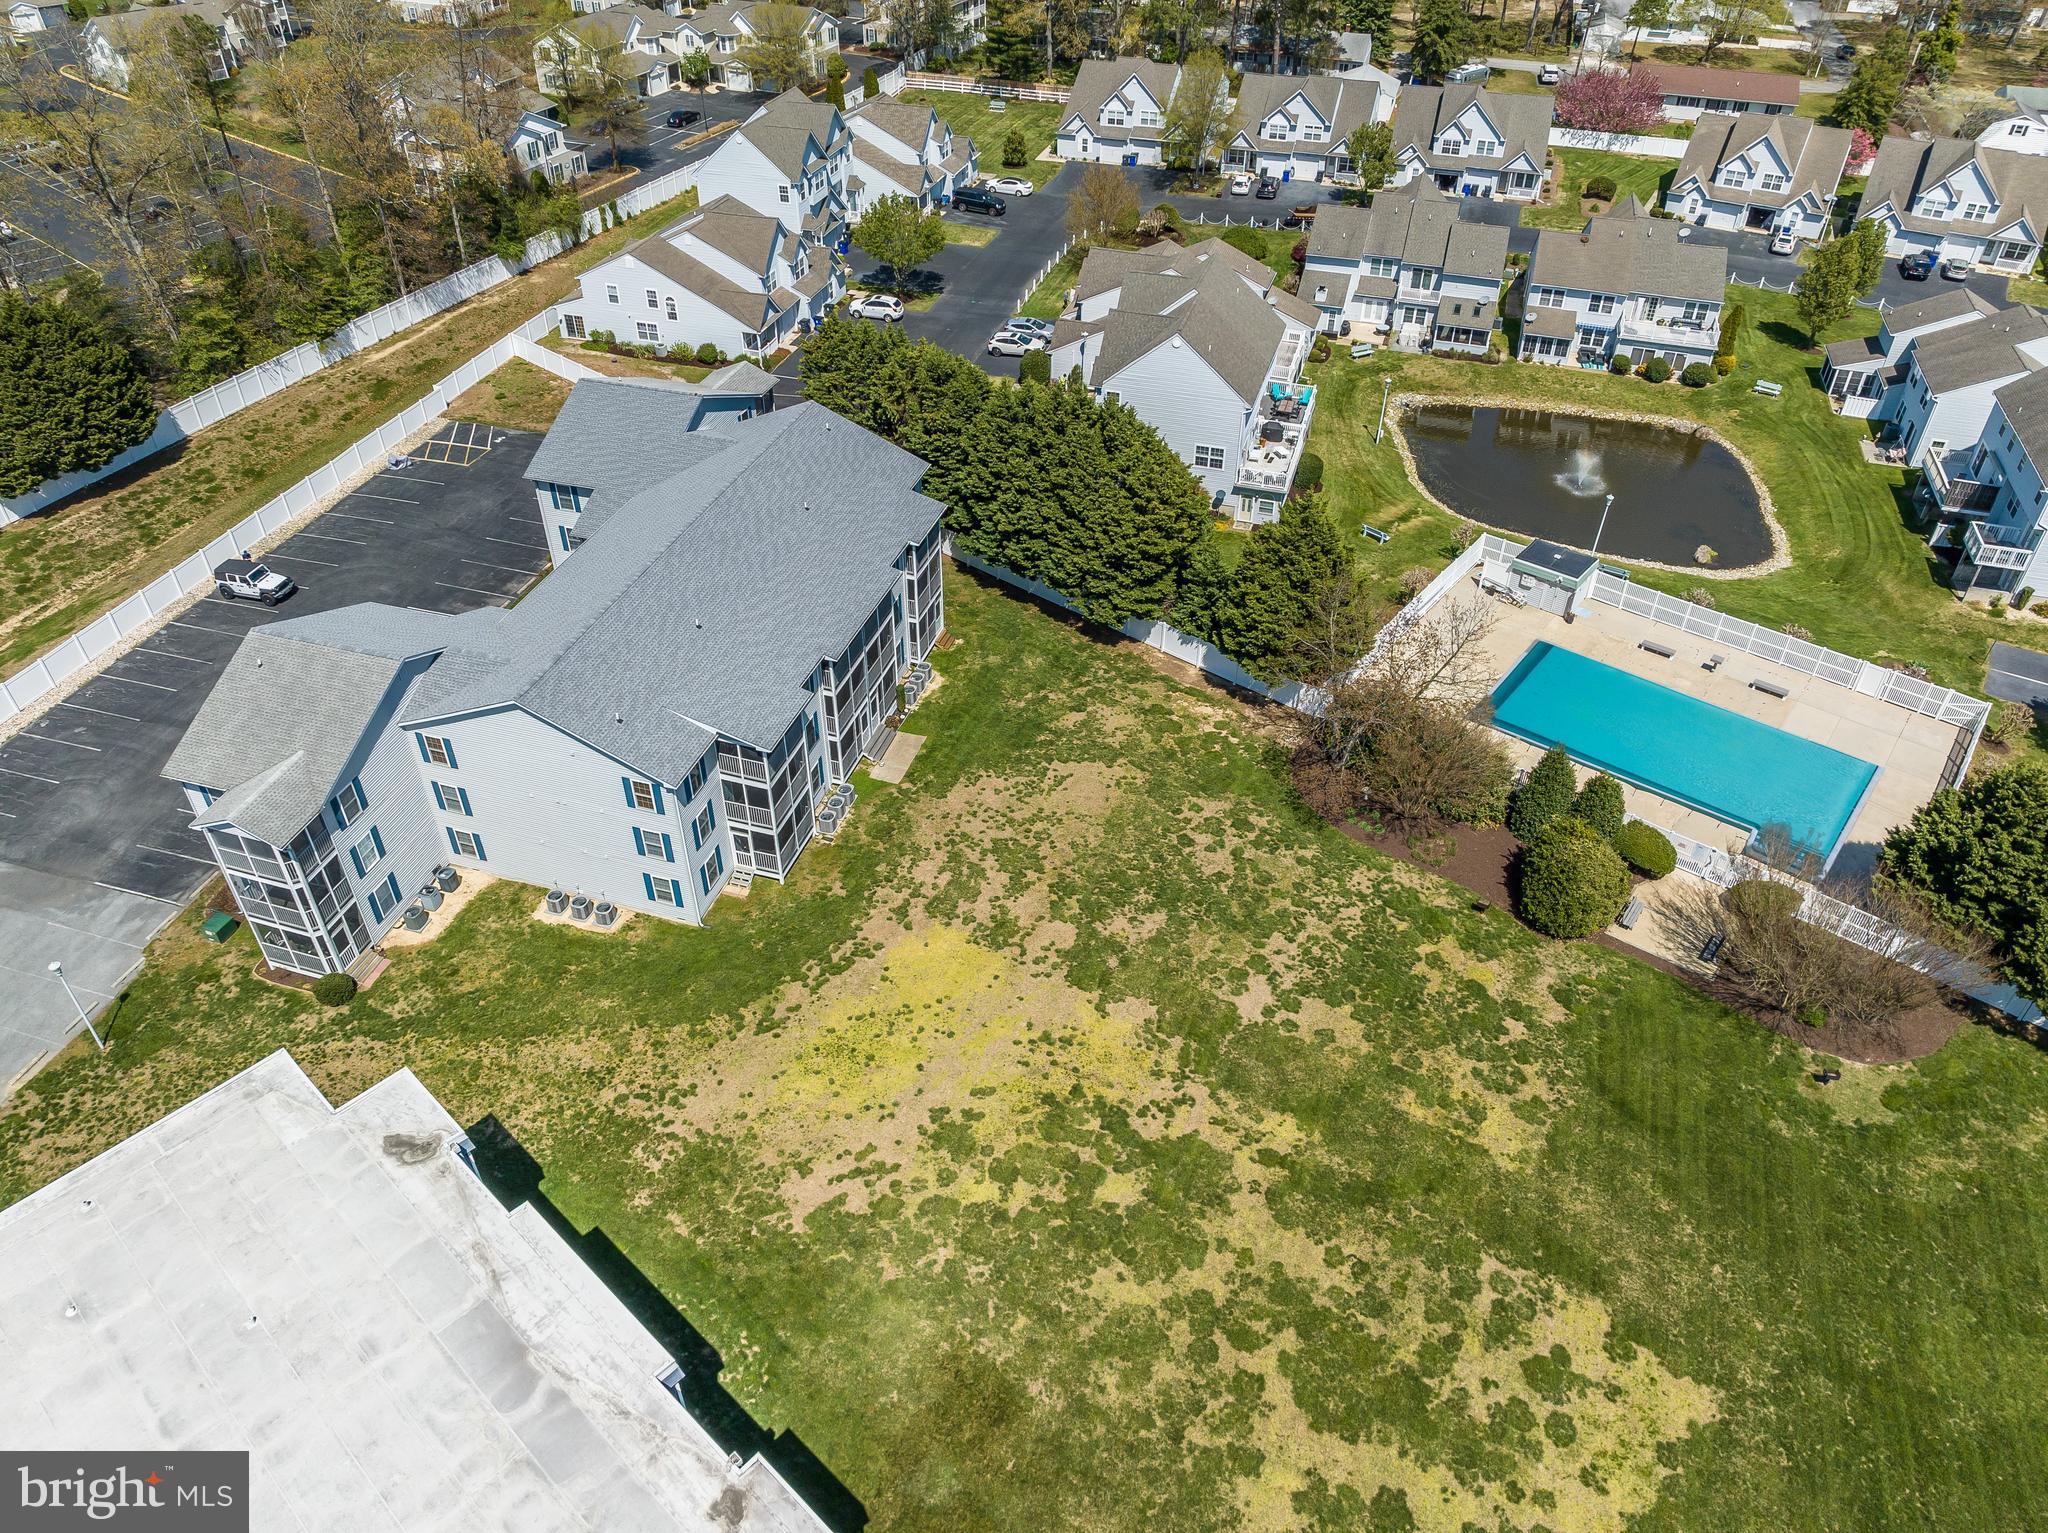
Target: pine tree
72, 395
1826, 288
1204, 584
1141, 537
1268, 605
1600, 805
1546, 795
1444, 38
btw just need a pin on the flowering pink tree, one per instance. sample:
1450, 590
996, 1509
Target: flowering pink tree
1862, 150
1600, 101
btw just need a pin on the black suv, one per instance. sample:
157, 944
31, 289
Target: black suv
1268, 189
973, 199
1917, 267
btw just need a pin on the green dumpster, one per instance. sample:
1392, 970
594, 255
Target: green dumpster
219, 927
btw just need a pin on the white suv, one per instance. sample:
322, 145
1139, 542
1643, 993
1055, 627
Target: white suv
876, 306
246, 580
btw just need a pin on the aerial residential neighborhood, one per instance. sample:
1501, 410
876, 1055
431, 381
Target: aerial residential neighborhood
818, 768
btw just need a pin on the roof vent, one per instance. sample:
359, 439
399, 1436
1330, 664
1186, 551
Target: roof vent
1176, 341
699, 622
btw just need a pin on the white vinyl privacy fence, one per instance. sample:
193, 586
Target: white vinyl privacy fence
32, 684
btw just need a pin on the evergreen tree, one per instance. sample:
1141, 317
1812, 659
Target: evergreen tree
1270, 600
72, 394
1445, 37
1204, 585
844, 363
1938, 53
1372, 16
1144, 536
1600, 805
1871, 97
1545, 796
209, 345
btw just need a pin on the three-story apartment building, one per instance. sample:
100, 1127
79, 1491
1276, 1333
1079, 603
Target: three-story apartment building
741, 280
722, 32
791, 161
1407, 268
718, 645
1988, 505
1757, 170
1472, 142
1624, 284
1951, 380
1955, 199
1864, 375
241, 29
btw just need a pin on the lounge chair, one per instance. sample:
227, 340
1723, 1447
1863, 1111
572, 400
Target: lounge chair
1770, 689
1663, 651
1714, 662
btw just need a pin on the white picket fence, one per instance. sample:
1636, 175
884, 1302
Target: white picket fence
1011, 90
34, 682
629, 204
1043, 272
1647, 145
212, 405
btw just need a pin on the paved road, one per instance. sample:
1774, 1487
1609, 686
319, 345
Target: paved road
95, 849
2018, 676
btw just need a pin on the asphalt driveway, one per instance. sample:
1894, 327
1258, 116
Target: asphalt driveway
2018, 676
95, 848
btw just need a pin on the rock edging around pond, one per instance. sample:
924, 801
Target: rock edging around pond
1781, 548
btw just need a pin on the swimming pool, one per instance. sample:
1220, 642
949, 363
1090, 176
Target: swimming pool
1723, 763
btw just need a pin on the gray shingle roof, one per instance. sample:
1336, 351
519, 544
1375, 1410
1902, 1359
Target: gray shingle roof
1099, 79
582, 447
708, 597
1414, 224
1212, 313
2026, 406
1342, 104
1104, 268
731, 228
1421, 111
906, 180
1815, 154
1967, 355
1635, 254
1906, 167
903, 121
786, 126
1953, 303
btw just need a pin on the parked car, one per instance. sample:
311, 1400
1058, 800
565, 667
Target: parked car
1268, 189
1029, 326
972, 199
876, 306
1846, 51
1917, 267
1549, 74
1466, 74
247, 580
1240, 185
684, 119
1014, 343
1957, 268
1784, 241
1010, 186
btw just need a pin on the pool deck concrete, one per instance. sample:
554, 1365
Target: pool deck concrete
1908, 749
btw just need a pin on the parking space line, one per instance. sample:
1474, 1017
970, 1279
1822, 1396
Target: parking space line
539, 548
167, 654
225, 633
54, 782
30, 734
381, 521
409, 478
117, 676
165, 851
100, 883
494, 595
104, 713
323, 537
486, 564
327, 564
223, 601
402, 500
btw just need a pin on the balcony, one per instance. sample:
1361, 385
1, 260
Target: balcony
1949, 494
1692, 334
1279, 431
1999, 548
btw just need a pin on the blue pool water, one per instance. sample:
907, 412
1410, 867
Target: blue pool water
1730, 766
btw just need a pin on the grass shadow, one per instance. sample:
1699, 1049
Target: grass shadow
514, 1177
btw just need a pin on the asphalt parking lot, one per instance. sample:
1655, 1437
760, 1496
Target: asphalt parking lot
95, 849
2018, 676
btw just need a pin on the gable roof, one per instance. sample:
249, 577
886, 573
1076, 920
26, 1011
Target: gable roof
1342, 103
1906, 167
1104, 268
1813, 155
1416, 225
1630, 252
615, 22
1100, 79
1211, 313
906, 176
731, 228
2026, 406
1721, 84
786, 126
1952, 303
1422, 111
905, 122
1966, 355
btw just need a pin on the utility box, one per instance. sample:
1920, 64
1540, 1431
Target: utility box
218, 927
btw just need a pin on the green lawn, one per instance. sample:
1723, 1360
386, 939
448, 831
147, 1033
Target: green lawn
1861, 579
1035, 121
1088, 1140
1647, 178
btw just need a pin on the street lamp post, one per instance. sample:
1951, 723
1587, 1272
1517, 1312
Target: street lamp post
57, 969
1605, 507
1386, 388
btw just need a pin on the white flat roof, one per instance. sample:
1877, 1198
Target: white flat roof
335, 1291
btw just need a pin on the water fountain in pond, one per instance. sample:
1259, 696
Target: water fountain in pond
1584, 475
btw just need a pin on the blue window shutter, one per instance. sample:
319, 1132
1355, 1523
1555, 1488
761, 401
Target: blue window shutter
377, 840
352, 857
639, 842
391, 889
463, 794
563, 529
478, 842
362, 798
450, 834
657, 798
448, 750
627, 784
647, 879
668, 849
421, 742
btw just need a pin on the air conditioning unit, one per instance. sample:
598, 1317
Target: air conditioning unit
415, 917
557, 902
606, 913
579, 908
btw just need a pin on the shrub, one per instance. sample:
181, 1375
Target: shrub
1619, 365
1483, 797
334, 989
870, 84
1168, 216
1600, 188
1319, 351
1700, 596
1015, 153
1600, 805
1761, 901
1732, 320
1546, 794
1646, 849
1724, 365
1247, 239
1998, 606
1797, 631
1035, 367
2009, 724
1655, 369
1309, 475
1573, 884
1298, 252
1697, 375
707, 354
2023, 598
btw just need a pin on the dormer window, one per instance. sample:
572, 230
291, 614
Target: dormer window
1485, 148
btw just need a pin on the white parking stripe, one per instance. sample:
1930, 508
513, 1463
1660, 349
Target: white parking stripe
381, 521
32, 777
117, 676
166, 654
165, 851
326, 564
539, 548
30, 734
225, 633
401, 499
104, 713
510, 568
123, 889
494, 595
323, 537
408, 476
